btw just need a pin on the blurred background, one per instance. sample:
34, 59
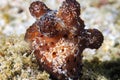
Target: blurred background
104, 15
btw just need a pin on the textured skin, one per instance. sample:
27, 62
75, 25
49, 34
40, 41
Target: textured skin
69, 12
38, 8
59, 38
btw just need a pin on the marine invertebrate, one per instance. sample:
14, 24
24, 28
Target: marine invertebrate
59, 37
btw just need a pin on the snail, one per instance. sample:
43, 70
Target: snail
58, 39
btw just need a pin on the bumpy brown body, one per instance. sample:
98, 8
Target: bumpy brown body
58, 39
